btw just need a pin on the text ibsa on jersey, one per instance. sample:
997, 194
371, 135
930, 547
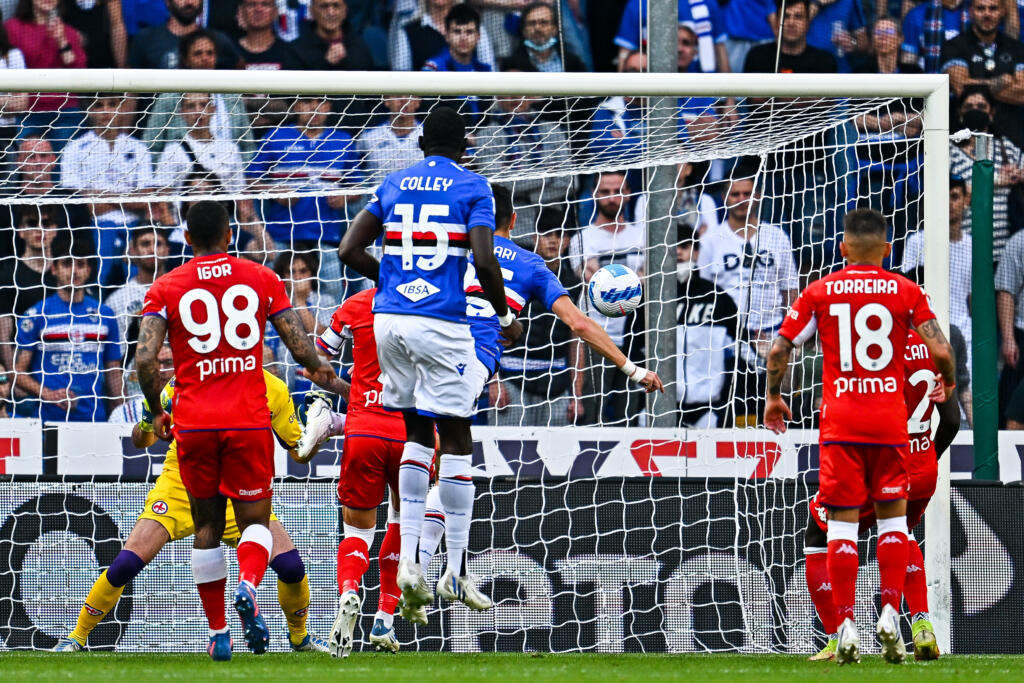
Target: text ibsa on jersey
426, 184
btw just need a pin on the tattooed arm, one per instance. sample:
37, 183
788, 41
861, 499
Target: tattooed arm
776, 412
152, 332
293, 333
941, 352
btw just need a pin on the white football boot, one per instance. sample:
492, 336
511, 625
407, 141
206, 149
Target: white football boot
848, 645
888, 630
415, 591
317, 428
414, 615
343, 634
463, 589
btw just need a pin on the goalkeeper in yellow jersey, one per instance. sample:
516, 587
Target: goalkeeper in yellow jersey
168, 517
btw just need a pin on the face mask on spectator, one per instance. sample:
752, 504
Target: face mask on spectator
683, 270
546, 45
977, 119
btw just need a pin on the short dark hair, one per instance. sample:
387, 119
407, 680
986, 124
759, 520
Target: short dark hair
503, 208
782, 5
310, 257
533, 7
461, 14
206, 222
444, 128
71, 245
975, 89
187, 41
555, 217
141, 231
956, 180
46, 213
865, 222
686, 235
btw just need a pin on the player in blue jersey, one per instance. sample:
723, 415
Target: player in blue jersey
69, 346
526, 277
430, 216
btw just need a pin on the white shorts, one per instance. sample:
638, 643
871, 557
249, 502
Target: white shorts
428, 365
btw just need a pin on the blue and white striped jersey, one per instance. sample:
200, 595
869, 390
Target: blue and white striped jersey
427, 211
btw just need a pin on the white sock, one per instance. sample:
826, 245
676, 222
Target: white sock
433, 528
413, 482
388, 619
457, 495
337, 424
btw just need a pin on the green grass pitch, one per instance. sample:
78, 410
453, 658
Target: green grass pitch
492, 668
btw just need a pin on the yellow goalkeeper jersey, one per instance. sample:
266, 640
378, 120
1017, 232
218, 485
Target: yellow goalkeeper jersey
282, 416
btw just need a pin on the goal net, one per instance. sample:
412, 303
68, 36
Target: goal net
605, 520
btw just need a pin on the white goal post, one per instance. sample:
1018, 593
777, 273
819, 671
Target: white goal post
865, 92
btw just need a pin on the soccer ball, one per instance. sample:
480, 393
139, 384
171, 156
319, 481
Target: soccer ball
615, 290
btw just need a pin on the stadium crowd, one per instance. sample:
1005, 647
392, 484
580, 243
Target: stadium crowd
73, 275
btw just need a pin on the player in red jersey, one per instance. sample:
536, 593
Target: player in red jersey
862, 314
215, 308
372, 454
922, 471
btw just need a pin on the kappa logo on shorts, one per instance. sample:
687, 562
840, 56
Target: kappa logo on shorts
461, 367
159, 507
92, 610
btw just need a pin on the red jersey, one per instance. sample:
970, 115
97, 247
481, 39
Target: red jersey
216, 307
920, 372
862, 315
366, 416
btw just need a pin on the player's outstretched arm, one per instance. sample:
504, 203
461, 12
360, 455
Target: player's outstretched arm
942, 355
596, 338
488, 272
293, 333
152, 332
949, 425
364, 230
776, 412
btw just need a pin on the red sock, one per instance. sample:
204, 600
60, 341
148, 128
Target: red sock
212, 596
353, 560
843, 563
389, 551
915, 589
821, 590
252, 562
892, 566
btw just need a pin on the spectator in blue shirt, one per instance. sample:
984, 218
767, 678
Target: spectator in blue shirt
839, 27
462, 34
748, 23
916, 39
702, 14
69, 352
308, 156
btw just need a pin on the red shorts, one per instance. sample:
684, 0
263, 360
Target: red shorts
854, 474
237, 464
915, 511
369, 465
922, 472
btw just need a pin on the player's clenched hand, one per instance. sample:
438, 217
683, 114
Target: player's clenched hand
941, 391
776, 413
323, 376
651, 382
162, 426
511, 333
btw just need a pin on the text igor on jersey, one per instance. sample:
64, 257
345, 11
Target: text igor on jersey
353, 320
428, 210
526, 277
862, 315
216, 307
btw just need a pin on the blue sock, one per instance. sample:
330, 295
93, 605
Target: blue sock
288, 566
125, 567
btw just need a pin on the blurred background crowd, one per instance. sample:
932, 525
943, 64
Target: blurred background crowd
96, 186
